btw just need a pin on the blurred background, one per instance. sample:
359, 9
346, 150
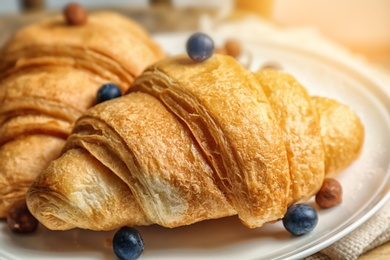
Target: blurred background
362, 26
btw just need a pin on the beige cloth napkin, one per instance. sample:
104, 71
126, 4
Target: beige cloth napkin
375, 231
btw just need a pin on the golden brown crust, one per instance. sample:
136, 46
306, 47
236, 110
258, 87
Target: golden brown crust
97, 199
134, 50
179, 173
150, 162
232, 120
59, 91
190, 142
21, 161
342, 133
50, 73
299, 122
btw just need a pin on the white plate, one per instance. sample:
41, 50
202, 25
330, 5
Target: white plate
366, 183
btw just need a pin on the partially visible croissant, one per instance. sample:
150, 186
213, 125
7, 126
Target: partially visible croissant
195, 141
49, 74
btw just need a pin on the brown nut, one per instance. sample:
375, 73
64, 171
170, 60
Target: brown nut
330, 194
75, 14
220, 50
272, 65
233, 48
20, 220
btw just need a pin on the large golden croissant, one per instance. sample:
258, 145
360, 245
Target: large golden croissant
49, 74
195, 141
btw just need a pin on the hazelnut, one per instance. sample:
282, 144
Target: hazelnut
330, 194
220, 50
20, 220
233, 48
272, 65
75, 14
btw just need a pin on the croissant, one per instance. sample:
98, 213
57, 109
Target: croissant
49, 74
195, 141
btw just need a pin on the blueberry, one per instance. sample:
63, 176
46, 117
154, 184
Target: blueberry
108, 91
128, 243
200, 47
300, 219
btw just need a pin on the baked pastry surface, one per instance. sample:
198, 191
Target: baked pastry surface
50, 73
189, 142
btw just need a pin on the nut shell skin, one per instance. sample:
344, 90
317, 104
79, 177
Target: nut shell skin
330, 194
20, 220
75, 14
233, 48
